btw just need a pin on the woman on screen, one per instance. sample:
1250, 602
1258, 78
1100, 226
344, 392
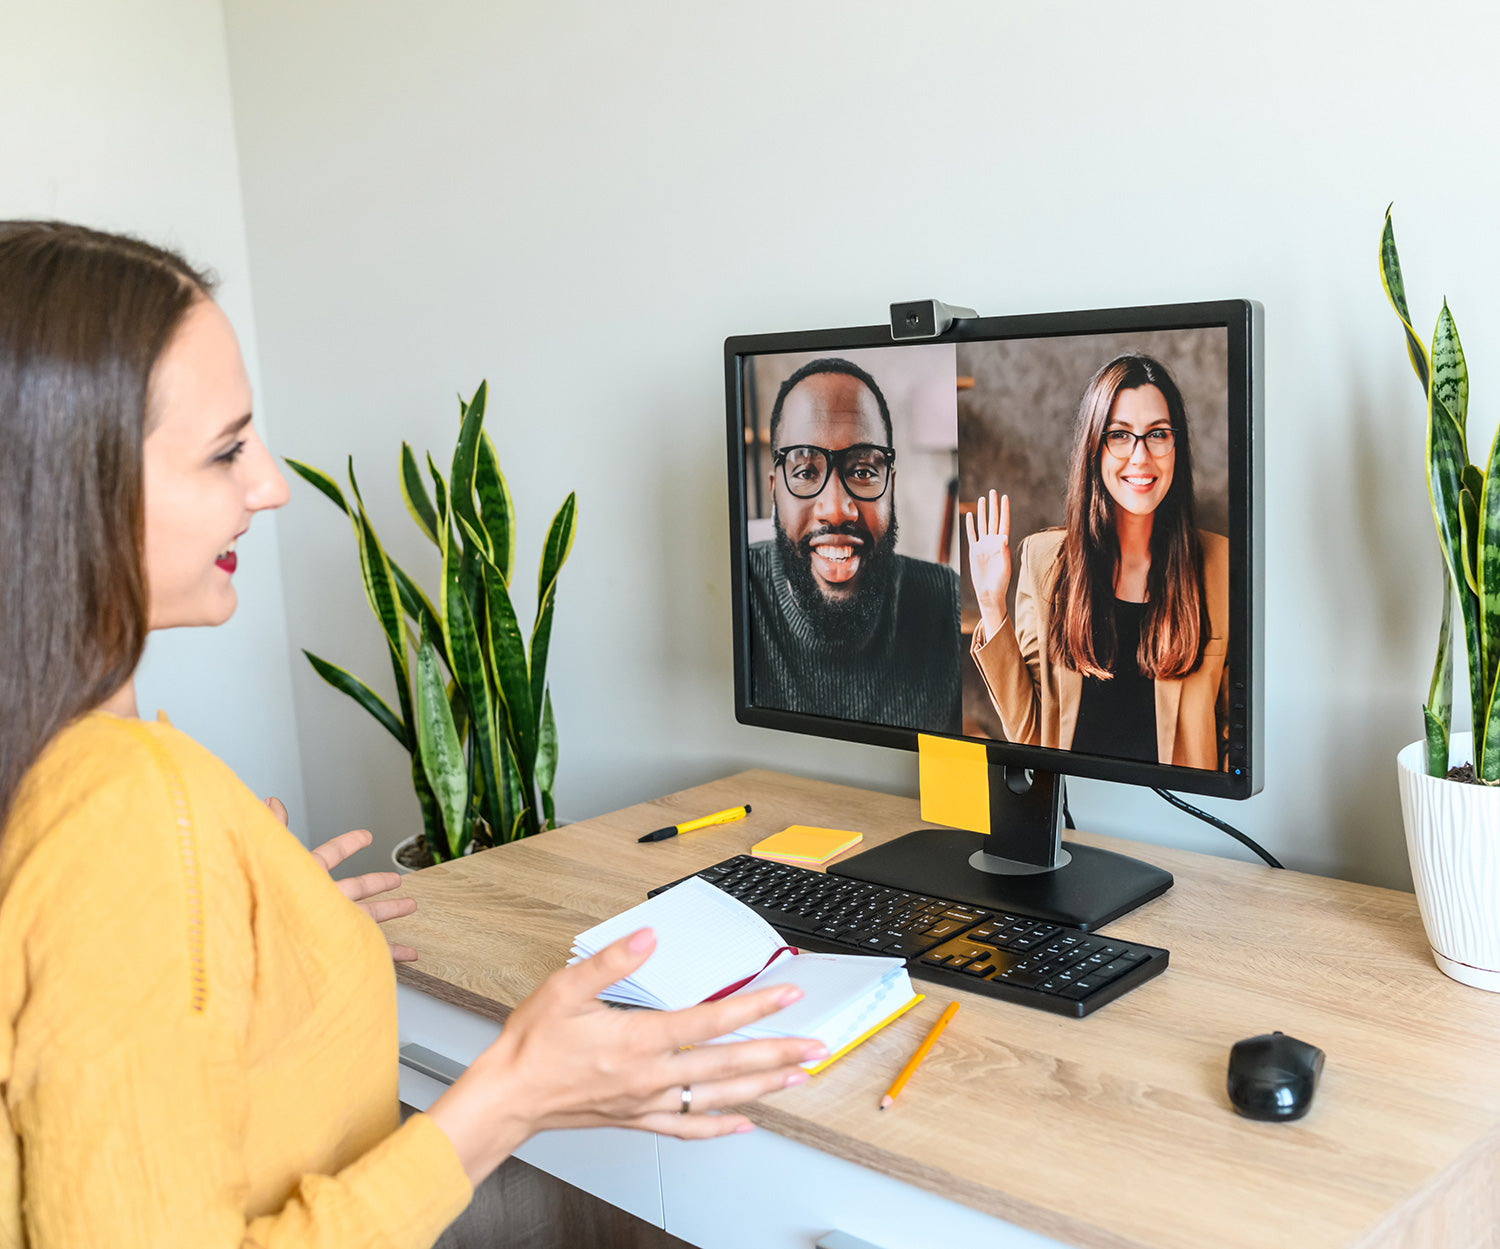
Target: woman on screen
1117, 644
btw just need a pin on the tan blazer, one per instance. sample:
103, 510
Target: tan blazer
1038, 700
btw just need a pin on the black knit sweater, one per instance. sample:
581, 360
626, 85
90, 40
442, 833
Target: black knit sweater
903, 672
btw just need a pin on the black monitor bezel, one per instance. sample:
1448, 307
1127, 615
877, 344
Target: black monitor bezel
1241, 318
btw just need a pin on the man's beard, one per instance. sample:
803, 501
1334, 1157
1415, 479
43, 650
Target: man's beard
851, 617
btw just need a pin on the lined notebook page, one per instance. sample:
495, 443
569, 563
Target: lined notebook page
840, 991
705, 940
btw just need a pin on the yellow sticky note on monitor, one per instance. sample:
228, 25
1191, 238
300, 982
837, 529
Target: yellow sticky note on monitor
805, 845
954, 781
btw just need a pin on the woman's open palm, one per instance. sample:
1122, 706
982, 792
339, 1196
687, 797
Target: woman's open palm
989, 557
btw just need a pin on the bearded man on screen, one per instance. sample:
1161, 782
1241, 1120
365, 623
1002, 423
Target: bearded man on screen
840, 624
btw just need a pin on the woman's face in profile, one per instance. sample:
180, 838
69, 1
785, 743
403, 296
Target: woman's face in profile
1138, 480
206, 472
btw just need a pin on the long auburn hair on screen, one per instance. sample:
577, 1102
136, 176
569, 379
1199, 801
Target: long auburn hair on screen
84, 317
1175, 628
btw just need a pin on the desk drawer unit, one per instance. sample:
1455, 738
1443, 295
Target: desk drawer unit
762, 1191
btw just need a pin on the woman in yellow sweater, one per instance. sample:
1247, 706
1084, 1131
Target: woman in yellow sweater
197, 1026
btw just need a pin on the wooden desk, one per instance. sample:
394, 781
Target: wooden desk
1114, 1130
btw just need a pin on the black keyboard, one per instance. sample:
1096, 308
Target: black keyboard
1013, 957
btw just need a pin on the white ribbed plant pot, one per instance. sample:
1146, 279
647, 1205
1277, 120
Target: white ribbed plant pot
1453, 840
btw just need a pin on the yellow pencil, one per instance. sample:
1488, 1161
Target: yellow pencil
915, 1060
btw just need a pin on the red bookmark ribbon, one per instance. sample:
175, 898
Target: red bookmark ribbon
740, 984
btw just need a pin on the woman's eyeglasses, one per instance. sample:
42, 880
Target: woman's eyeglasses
1120, 443
864, 468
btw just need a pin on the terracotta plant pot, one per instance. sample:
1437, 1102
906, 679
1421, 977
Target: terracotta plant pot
1453, 841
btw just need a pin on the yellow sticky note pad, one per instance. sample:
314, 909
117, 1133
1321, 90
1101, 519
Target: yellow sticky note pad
805, 845
953, 778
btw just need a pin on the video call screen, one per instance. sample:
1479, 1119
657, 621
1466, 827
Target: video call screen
1021, 540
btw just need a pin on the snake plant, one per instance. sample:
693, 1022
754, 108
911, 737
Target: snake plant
474, 711
1466, 508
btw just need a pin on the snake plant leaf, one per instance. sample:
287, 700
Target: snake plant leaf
1489, 591
517, 828
554, 554
1437, 744
512, 678
474, 536
1487, 751
1395, 291
442, 753
546, 759
348, 683
1446, 459
432, 816
522, 821
380, 583
510, 785
456, 702
558, 545
1445, 464
440, 508
1439, 708
461, 476
468, 667
1468, 524
317, 478
1450, 373
414, 495
416, 604
497, 510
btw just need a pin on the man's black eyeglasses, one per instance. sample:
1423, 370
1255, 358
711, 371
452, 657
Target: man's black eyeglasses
865, 469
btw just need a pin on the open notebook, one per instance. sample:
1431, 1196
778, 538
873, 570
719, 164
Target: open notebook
709, 945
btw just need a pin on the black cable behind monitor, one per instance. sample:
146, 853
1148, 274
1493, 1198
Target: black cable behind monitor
1177, 802
1221, 825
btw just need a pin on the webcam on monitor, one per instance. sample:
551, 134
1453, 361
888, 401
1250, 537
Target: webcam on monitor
925, 318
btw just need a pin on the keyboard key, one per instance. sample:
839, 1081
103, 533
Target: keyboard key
944, 928
977, 968
1112, 970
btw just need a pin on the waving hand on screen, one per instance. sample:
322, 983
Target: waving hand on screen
989, 557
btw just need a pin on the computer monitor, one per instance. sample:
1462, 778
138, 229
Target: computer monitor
1036, 533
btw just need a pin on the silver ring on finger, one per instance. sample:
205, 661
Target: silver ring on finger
687, 1100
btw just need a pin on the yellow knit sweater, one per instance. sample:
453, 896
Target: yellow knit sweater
197, 1029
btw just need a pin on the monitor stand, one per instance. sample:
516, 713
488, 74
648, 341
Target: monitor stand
1020, 866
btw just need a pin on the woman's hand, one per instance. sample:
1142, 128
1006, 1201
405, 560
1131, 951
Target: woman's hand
989, 558
566, 1060
358, 888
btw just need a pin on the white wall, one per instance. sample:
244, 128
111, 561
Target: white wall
118, 116
579, 201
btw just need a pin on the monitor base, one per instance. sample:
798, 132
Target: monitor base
1092, 888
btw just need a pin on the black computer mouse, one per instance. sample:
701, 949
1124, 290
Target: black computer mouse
1273, 1076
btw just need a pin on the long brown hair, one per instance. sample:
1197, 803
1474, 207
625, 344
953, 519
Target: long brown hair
84, 317
1175, 629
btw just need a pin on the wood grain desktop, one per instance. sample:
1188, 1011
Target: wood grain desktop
1114, 1130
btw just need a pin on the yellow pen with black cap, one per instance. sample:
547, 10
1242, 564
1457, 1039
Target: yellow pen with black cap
718, 817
